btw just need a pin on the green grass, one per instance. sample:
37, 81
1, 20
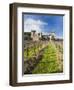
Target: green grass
31, 52
60, 47
48, 64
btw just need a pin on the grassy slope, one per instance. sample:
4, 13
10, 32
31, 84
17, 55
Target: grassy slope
31, 52
49, 62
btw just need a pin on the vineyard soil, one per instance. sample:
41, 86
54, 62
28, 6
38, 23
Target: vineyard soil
49, 61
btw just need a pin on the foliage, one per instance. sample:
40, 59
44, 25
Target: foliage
30, 52
49, 63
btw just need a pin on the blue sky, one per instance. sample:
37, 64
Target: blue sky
44, 23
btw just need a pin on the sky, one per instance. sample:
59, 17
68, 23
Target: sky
44, 23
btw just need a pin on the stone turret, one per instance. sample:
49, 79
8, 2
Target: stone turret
52, 36
33, 33
39, 35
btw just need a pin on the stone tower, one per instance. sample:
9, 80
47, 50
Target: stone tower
34, 35
52, 36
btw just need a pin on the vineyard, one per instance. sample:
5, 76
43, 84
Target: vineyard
43, 57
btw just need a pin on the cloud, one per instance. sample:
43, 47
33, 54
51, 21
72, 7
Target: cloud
45, 33
31, 24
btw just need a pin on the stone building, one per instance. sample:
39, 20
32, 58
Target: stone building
52, 36
33, 35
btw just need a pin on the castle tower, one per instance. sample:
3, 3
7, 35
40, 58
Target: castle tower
39, 35
52, 36
34, 35
33, 32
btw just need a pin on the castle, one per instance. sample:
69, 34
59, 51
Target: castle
33, 35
